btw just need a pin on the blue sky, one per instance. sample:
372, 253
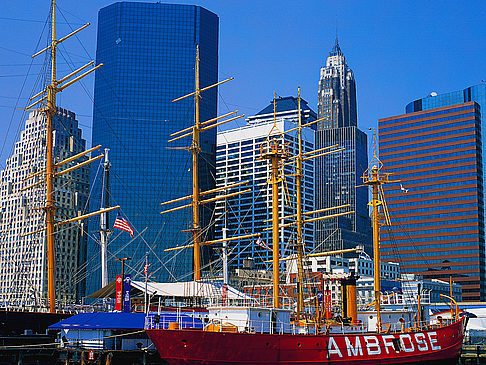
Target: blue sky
398, 50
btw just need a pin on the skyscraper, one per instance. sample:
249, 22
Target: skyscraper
339, 174
337, 92
437, 207
23, 268
149, 51
237, 159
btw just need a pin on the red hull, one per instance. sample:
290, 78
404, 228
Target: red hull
188, 346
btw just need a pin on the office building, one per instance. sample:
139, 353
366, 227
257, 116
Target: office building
148, 51
339, 174
238, 159
23, 266
437, 206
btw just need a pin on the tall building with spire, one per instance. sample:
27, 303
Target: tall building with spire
338, 175
337, 92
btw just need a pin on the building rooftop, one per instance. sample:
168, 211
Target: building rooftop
284, 104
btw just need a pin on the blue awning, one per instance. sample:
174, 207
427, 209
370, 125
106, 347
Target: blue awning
121, 321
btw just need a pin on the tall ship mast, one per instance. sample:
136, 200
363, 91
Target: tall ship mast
196, 197
45, 102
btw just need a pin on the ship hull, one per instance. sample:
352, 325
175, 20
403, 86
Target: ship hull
436, 345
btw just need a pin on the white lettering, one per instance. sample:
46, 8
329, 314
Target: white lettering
421, 342
433, 340
372, 343
387, 343
334, 350
411, 348
356, 350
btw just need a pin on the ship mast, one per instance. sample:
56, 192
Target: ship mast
50, 208
374, 177
104, 231
275, 151
50, 172
299, 242
195, 149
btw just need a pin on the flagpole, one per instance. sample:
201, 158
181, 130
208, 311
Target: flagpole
123, 259
146, 277
104, 231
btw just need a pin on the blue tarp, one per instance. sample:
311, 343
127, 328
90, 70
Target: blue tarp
121, 321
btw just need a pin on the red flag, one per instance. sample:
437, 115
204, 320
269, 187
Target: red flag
118, 298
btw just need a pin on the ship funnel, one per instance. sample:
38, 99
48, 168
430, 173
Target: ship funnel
350, 302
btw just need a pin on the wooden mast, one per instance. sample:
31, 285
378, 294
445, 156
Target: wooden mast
299, 243
50, 172
375, 178
195, 149
50, 208
275, 151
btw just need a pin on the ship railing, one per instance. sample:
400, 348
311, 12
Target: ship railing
261, 301
276, 326
396, 299
182, 319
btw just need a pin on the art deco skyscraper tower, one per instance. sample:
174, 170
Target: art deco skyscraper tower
339, 174
337, 92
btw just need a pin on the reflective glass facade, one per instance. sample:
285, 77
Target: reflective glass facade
148, 51
437, 208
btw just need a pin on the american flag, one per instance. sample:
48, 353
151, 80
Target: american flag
262, 243
122, 224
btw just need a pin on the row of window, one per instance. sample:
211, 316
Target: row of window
424, 151
433, 201
391, 240
431, 128
408, 182
430, 136
434, 164
429, 224
398, 254
432, 157
406, 196
427, 143
383, 124
433, 216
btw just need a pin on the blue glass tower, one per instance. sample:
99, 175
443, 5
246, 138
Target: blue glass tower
148, 51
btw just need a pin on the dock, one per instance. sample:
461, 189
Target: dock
473, 354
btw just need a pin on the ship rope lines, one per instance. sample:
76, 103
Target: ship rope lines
199, 198
301, 218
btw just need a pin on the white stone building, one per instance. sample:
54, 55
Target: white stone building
23, 272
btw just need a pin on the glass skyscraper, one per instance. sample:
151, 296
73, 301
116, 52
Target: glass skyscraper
437, 206
149, 51
339, 174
